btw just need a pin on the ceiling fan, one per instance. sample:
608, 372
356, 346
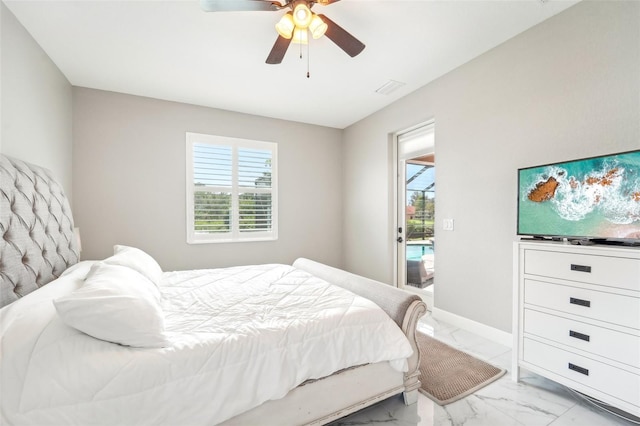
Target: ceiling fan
294, 26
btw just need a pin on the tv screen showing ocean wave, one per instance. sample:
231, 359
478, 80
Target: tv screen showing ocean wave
590, 198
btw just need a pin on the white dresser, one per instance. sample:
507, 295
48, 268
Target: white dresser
576, 318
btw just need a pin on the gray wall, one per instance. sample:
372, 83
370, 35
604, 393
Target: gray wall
129, 181
565, 89
36, 103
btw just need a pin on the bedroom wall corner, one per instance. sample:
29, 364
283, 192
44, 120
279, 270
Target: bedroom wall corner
36, 103
130, 188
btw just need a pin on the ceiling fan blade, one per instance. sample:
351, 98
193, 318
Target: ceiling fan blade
345, 41
279, 49
238, 5
326, 2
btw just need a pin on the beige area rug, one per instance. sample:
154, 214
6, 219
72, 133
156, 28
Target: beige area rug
448, 374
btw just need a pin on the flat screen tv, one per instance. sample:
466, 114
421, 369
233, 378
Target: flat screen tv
591, 199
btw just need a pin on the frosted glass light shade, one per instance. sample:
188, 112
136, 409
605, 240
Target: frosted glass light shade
300, 36
285, 26
302, 16
317, 27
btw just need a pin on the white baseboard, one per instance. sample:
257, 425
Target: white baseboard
478, 328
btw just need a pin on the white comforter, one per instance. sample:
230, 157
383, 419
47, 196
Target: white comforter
239, 337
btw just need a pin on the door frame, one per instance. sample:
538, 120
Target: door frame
399, 204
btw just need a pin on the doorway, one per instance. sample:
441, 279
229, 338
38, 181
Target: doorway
416, 242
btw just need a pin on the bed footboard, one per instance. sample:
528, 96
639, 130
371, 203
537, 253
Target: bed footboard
403, 307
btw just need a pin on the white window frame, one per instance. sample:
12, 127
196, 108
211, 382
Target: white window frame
234, 235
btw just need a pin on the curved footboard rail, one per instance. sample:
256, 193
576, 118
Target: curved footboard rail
403, 307
412, 377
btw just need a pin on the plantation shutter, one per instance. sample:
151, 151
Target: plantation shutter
231, 189
212, 166
254, 178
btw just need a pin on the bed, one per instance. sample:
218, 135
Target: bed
119, 341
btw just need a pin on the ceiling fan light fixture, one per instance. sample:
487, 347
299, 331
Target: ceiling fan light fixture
302, 15
300, 36
285, 26
317, 27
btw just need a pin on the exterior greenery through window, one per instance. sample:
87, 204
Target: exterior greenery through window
231, 189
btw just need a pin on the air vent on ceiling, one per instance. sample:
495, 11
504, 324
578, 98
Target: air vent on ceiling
389, 86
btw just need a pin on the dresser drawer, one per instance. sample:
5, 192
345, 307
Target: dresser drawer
597, 305
621, 347
610, 271
618, 383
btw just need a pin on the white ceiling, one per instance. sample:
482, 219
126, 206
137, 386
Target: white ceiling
174, 51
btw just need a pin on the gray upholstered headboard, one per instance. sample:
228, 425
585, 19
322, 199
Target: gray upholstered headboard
36, 226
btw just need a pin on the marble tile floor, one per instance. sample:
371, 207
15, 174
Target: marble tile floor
533, 401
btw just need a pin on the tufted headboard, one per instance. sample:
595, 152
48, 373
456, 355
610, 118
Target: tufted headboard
36, 226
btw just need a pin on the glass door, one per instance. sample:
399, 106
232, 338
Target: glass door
419, 219
416, 210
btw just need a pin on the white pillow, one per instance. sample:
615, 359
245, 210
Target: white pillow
138, 260
116, 304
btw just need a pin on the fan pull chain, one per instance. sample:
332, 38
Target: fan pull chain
308, 55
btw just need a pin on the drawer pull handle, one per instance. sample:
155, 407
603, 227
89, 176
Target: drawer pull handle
581, 302
581, 268
579, 369
580, 336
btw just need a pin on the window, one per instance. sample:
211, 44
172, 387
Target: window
231, 189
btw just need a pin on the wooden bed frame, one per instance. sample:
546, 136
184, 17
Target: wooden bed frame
38, 244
